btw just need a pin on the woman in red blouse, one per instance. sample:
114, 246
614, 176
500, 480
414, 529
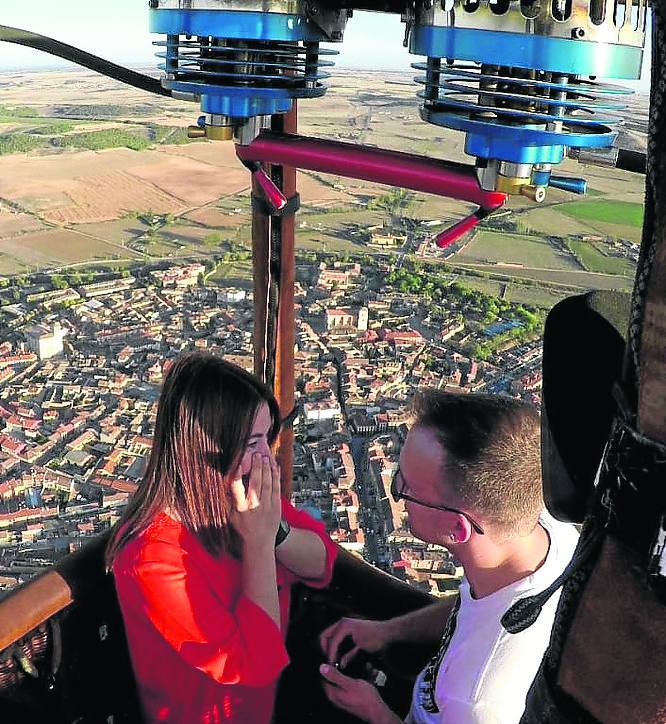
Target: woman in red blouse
206, 551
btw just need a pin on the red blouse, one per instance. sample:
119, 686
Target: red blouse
201, 650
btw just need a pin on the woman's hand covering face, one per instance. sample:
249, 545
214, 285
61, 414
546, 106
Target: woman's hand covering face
258, 508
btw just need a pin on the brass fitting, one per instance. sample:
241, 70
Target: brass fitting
196, 132
214, 133
535, 193
511, 184
219, 133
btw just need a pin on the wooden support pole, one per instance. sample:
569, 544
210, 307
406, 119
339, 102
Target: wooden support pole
271, 233
284, 363
260, 239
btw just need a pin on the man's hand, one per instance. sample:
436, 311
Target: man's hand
371, 636
356, 696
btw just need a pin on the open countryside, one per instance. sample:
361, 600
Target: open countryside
96, 175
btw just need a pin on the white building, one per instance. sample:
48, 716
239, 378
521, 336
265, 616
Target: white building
46, 341
339, 318
233, 295
325, 410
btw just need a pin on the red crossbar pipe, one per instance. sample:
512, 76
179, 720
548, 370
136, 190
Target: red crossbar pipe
453, 233
393, 168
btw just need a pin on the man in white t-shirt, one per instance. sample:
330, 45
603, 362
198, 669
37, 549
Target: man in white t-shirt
470, 476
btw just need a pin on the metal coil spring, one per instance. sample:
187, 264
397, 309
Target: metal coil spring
244, 63
519, 97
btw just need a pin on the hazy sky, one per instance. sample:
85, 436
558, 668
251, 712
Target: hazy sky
117, 30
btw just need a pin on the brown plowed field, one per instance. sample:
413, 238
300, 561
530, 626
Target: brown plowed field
88, 187
191, 181
108, 196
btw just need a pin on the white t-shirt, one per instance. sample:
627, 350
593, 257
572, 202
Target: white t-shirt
486, 672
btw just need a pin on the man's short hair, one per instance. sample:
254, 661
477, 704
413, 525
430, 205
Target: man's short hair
492, 455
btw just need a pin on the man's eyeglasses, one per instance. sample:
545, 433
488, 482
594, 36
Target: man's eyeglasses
397, 491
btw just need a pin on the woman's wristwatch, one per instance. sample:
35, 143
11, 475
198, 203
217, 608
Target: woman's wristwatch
282, 532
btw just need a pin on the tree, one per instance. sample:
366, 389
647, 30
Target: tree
58, 282
394, 203
459, 290
152, 236
480, 352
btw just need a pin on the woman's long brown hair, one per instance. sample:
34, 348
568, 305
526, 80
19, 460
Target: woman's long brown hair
204, 420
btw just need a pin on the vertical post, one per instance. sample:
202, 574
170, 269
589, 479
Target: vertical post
284, 362
273, 251
260, 239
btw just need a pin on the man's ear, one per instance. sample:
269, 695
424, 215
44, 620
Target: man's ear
462, 530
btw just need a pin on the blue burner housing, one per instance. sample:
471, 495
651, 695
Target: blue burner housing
241, 64
524, 98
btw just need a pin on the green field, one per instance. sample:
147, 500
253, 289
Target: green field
595, 261
41, 125
617, 231
48, 127
47, 132
235, 273
571, 280
611, 212
13, 113
320, 241
339, 219
492, 247
549, 220
98, 140
543, 297
20, 143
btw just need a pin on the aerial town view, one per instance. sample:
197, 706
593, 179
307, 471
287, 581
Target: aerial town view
123, 242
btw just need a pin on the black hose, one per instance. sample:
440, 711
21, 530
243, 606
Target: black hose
80, 57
